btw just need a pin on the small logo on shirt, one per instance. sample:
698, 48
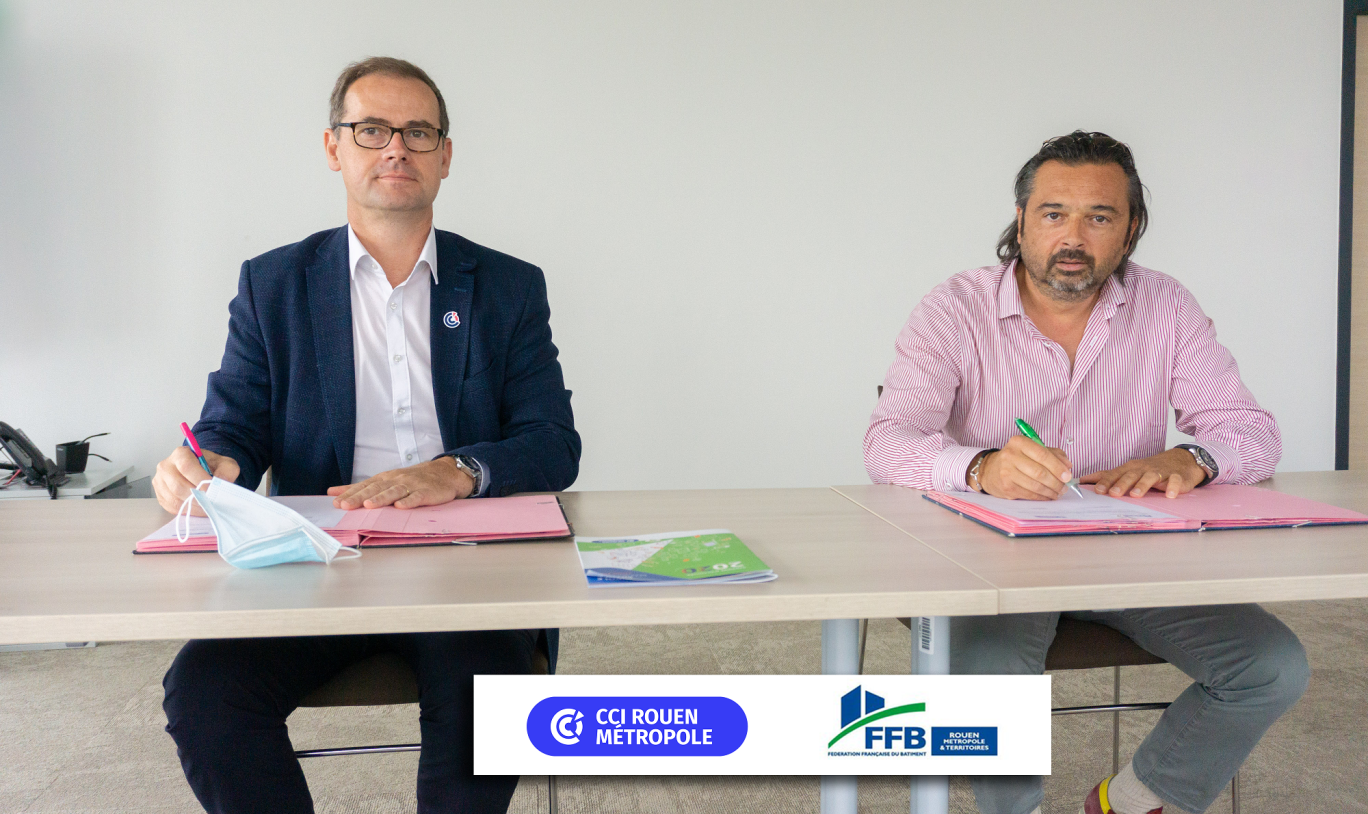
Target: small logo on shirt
452, 319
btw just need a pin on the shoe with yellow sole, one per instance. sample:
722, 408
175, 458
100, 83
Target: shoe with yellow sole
1097, 803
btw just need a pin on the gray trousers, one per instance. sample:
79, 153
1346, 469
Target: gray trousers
1247, 670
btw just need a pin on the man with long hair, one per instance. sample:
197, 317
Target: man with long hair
1093, 351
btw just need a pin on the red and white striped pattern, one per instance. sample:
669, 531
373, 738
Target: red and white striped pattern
969, 362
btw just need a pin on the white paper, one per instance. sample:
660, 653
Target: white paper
1090, 507
317, 509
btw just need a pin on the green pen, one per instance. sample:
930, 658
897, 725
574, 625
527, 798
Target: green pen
1028, 431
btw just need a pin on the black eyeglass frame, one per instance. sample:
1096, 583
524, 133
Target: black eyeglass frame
441, 134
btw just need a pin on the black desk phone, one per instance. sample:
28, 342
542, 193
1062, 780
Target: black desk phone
36, 469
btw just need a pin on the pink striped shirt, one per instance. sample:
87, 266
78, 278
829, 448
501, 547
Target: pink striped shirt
969, 362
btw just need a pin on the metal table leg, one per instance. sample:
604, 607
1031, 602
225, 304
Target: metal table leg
840, 656
930, 656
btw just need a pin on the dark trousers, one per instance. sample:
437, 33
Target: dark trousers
227, 701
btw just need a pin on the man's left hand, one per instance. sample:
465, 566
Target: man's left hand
1175, 472
426, 484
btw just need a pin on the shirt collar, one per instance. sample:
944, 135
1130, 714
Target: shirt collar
356, 251
1009, 295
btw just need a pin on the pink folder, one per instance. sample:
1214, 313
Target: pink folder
155, 544
1213, 507
489, 519
524, 517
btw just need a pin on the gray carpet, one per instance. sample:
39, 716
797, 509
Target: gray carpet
81, 730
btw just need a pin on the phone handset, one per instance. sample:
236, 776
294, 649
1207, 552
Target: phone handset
37, 469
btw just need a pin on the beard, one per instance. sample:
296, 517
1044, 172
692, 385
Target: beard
1069, 285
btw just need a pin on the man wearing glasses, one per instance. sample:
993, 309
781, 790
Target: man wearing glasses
384, 363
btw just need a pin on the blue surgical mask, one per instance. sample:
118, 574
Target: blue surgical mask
254, 532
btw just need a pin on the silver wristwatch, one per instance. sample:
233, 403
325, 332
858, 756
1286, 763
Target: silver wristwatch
1204, 460
471, 467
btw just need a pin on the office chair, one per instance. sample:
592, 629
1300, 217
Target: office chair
381, 680
1080, 645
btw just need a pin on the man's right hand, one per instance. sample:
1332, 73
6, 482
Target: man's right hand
181, 472
1024, 470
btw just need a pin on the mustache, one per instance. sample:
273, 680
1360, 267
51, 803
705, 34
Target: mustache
1072, 256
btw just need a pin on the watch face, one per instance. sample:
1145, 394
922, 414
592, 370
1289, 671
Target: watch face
1203, 457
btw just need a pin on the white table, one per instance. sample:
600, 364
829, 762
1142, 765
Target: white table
67, 573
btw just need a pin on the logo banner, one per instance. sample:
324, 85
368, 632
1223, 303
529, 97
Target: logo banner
762, 725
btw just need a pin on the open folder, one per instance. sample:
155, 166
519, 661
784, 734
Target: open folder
459, 522
1218, 506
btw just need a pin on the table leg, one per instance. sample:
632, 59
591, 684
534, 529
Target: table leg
840, 656
931, 656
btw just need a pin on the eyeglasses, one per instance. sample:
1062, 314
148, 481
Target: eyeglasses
375, 136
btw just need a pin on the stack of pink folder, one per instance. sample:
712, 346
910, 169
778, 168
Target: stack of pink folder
523, 517
1210, 507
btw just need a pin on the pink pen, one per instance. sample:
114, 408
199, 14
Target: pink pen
194, 445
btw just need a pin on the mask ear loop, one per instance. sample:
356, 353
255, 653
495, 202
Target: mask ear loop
351, 553
185, 509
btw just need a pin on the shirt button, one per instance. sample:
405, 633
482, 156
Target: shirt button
394, 305
408, 457
400, 411
1069, 441
398, 358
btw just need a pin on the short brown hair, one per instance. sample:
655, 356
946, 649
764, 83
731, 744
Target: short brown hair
391, 67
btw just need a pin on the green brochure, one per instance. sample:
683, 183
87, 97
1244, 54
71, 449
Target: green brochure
674, 558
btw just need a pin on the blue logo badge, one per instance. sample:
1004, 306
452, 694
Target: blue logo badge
660, 726
964, 740
452, 319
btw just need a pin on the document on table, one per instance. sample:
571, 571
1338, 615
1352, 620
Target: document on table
317, 509
673, 558
458, 522
1218, 506
1091, 507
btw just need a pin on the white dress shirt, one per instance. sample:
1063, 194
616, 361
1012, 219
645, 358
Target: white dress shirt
396, 412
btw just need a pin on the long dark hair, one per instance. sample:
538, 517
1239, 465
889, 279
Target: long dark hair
1074, 149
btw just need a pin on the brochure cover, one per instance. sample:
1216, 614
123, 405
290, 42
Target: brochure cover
706, 556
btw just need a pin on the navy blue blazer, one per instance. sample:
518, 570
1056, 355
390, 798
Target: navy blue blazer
285, 394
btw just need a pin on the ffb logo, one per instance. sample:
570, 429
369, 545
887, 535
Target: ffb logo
881, 737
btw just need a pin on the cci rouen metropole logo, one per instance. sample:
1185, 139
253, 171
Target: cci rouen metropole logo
620, 726
887, 740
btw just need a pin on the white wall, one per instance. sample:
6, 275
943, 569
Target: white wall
736, 205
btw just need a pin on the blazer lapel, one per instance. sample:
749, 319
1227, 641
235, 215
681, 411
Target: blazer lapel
452, 295
329, 284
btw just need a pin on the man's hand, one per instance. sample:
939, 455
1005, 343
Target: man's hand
1024, 470
426, 484
181, 471
1175, 471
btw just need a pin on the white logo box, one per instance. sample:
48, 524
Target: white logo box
688, 725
